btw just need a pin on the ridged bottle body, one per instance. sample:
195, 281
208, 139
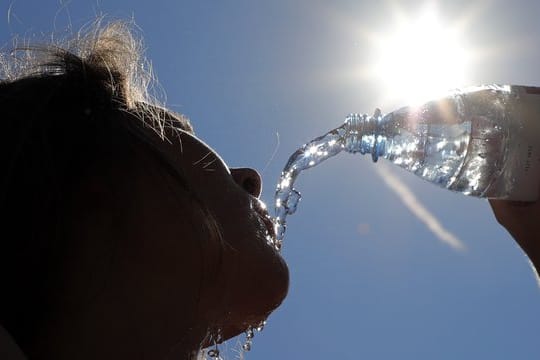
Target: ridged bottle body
482, 142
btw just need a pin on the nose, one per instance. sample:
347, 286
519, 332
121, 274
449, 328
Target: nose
249, 179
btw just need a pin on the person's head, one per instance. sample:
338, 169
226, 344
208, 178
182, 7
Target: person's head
123, 234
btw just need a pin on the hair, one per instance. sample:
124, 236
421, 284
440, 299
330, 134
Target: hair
66, 109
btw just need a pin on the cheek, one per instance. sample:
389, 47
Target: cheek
241, 227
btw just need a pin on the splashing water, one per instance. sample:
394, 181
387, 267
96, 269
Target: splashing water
357, 134
214, 353
308, 156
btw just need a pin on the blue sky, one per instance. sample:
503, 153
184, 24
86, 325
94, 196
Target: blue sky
368, 278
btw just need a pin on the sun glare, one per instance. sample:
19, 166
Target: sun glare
420, 58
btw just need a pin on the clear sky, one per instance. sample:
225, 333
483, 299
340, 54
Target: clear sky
369, 279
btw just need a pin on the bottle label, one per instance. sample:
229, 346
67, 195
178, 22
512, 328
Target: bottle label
524, 167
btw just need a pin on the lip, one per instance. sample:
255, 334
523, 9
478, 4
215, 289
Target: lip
260, 209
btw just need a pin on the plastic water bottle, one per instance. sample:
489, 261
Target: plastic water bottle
482, 141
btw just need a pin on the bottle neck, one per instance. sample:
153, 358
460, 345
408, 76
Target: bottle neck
363, 134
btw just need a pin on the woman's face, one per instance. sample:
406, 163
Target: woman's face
252, 278
168, 262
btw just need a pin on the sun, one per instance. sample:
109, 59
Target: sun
421, 57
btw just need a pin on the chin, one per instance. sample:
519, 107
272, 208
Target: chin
256, 293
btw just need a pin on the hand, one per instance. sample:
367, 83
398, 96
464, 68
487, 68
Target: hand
522, 220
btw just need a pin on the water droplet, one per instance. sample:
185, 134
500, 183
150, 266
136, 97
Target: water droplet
213, 353
261, 326
292, 201
247, 346
249, 333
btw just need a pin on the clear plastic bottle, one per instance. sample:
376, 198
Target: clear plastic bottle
482, 141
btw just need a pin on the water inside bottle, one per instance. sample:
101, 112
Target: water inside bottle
458, 142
